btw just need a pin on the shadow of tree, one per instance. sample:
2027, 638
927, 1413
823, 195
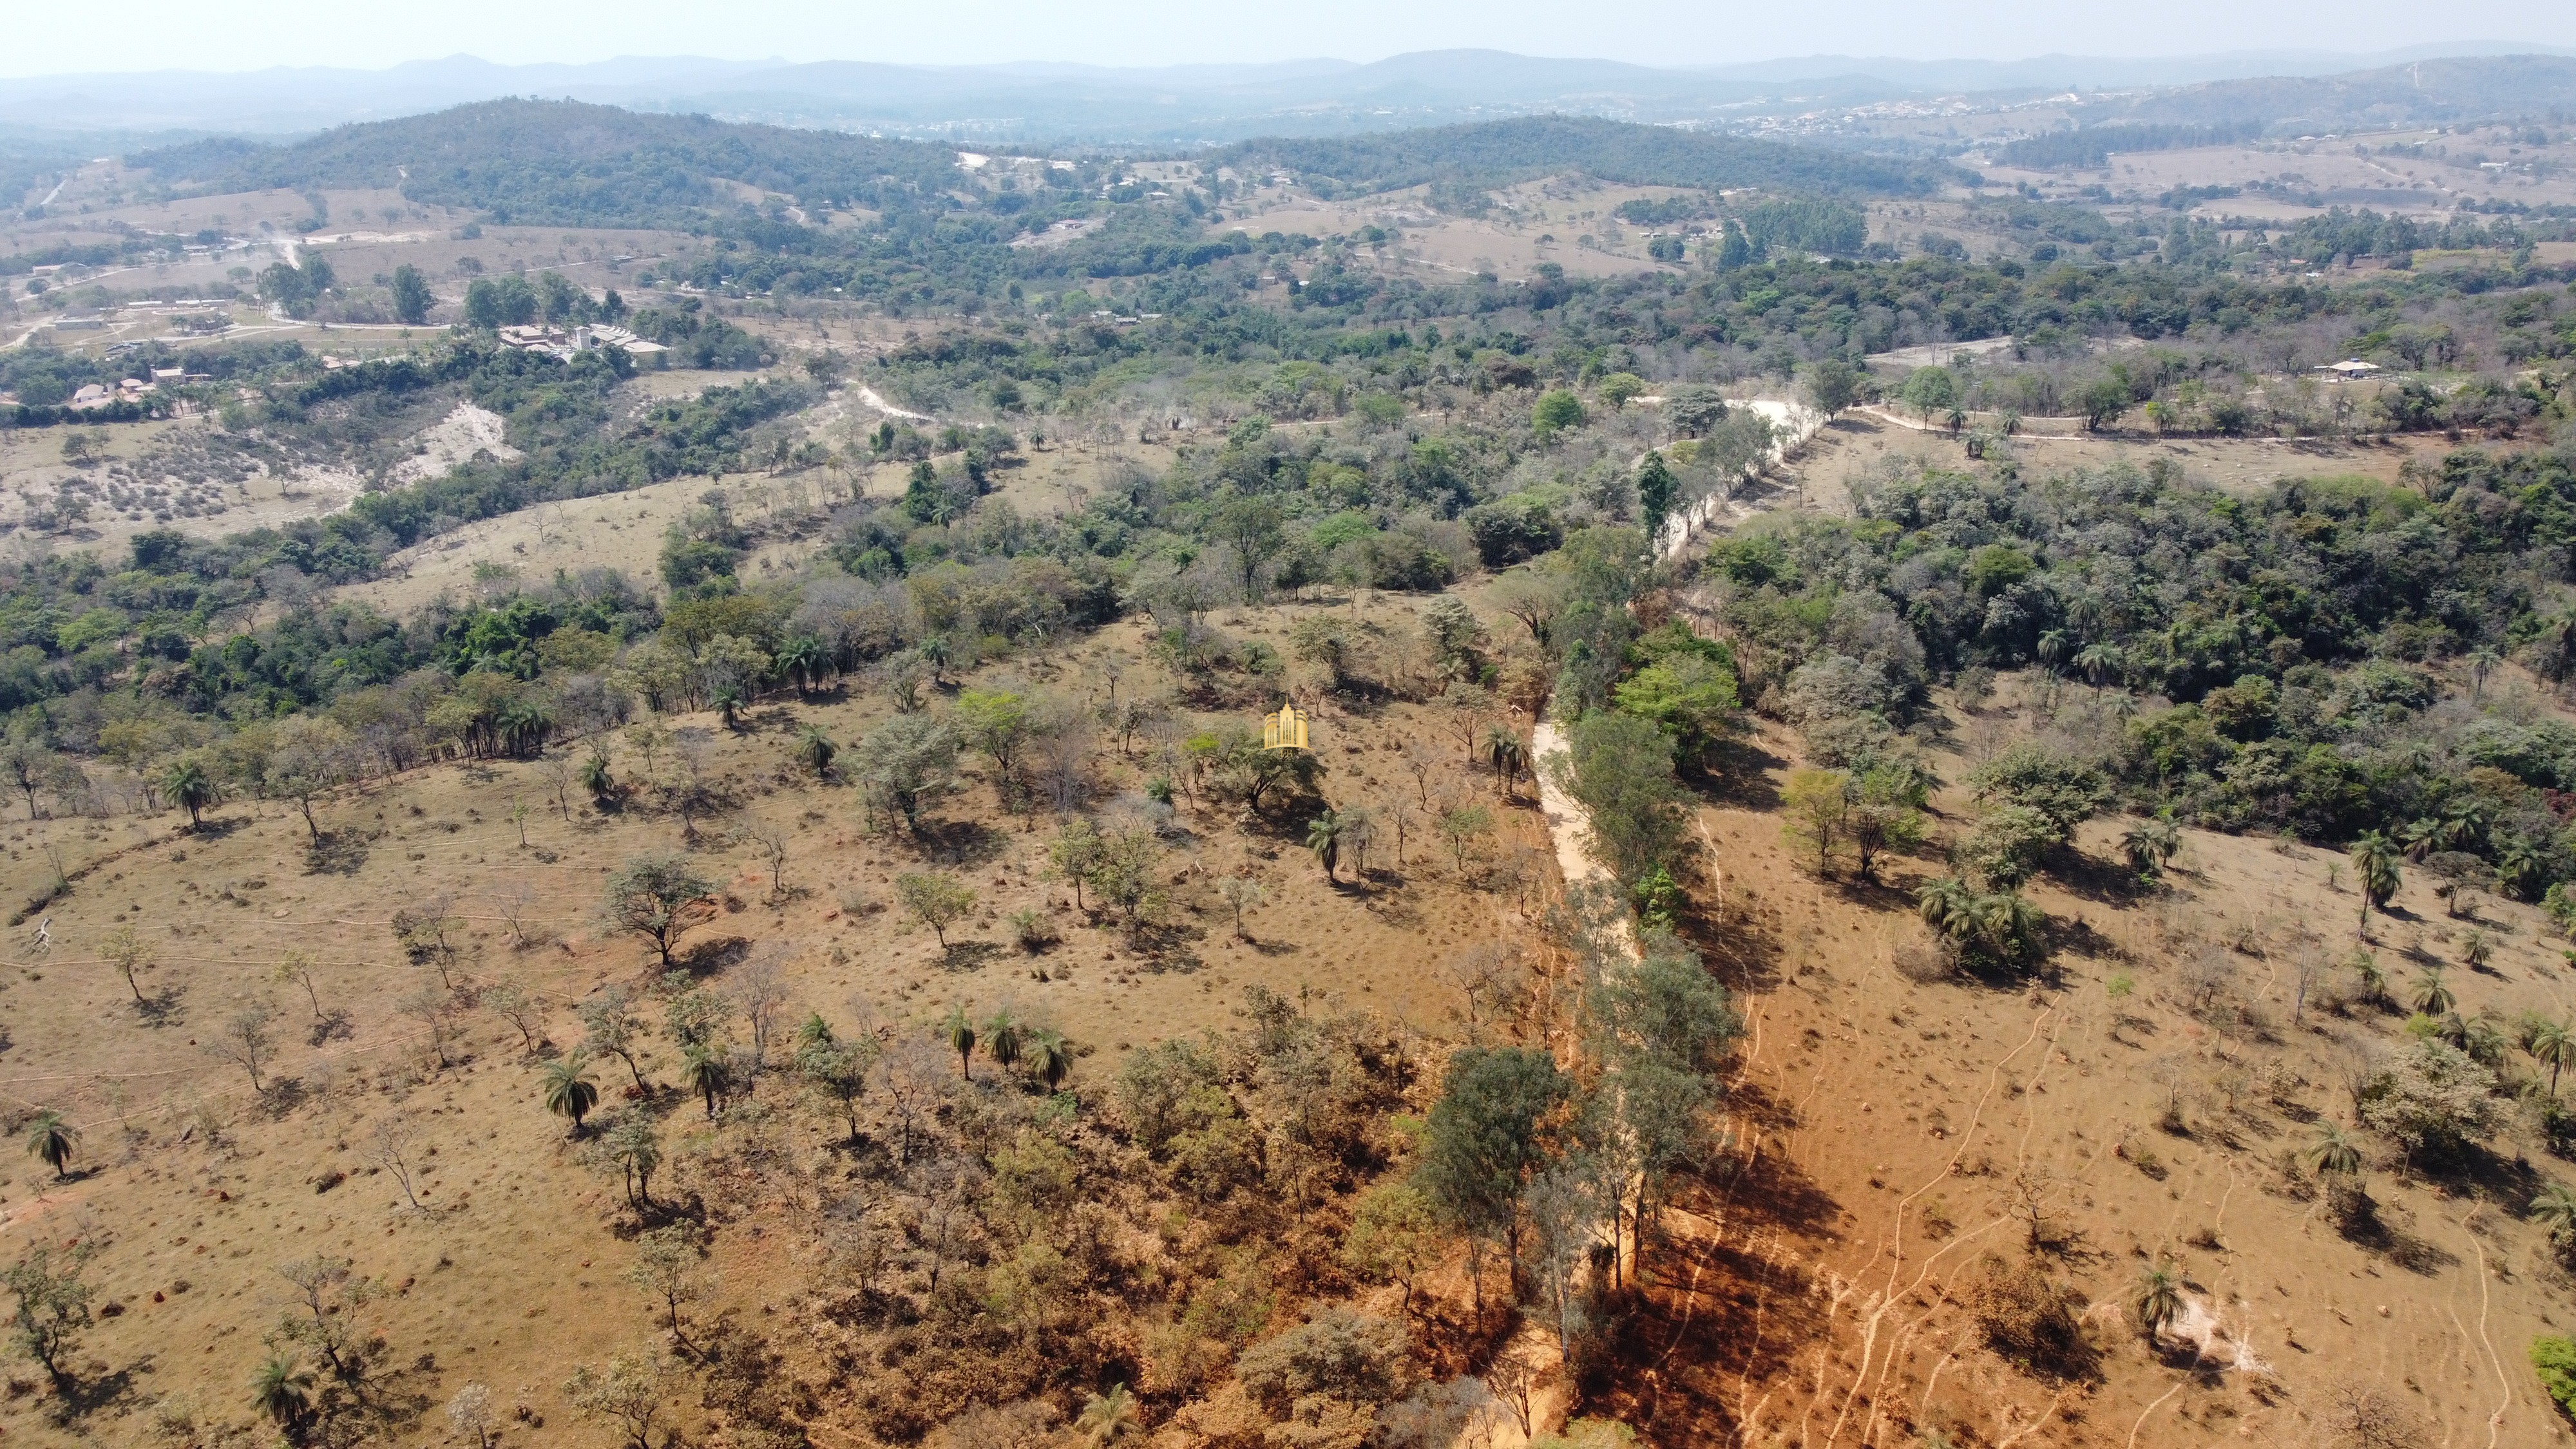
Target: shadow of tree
338, 852
969, 955
707, 957
81, 1397
2100, 881
283, 1096
1738, 776
1709, 1311
161, 1008
960, 842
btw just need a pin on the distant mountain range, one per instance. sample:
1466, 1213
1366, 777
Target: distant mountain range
1074, 104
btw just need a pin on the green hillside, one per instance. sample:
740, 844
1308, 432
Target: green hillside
1499, 153
564, 163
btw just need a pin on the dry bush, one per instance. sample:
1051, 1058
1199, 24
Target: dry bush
1919, 963
1028, 1424
2031, 1318
2359, 1414
2203, 984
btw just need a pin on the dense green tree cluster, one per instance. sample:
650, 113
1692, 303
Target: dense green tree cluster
2272, 654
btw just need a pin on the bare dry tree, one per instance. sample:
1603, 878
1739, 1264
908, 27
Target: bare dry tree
472, 1415
1485, 976
561, 772
394, 1145
131, 957
1421, 761
771, 841
422, 929
297, 970
511, 902
247, 1041
514, 1004
436, 1012
760, 994
1240, 893
1513, 1377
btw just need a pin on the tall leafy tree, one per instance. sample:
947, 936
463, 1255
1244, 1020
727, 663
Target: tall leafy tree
1656, 489
657, 897
1487, 1135
52, 1307
1621, 768
412, 297
905, 763
1253, 529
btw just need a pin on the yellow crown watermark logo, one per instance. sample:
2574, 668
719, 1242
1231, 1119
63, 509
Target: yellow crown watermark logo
1285, 730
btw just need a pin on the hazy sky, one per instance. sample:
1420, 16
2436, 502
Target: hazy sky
132, 35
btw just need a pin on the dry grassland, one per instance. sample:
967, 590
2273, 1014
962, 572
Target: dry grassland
193, 1189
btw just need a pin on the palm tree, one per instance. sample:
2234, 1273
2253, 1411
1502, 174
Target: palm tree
2553, 652
2522, 868
2008, 924
2554, 1208
2150, 844
813, 1031
595, 777
704, 1073
1949, 908
2334, 1151
2374, 978
2476, 950
1505, 752
1053, 1057
1324, 837
283, 1390
815, 749
2464, 823
569, 1091
2156, 1300
1107, 1418
2483, 1041
801, 658
1002, 1039
2374, 866
52, 1139
961, 1038
2553, 1046
189, 788
728, 702
524, 724
2432, 996
2099, 662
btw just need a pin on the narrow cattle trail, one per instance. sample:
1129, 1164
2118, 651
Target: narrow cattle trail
1891, 1244
2504, 1381
2149, 1412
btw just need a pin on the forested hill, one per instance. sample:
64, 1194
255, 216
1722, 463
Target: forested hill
2450, 91
1499, 153
568, 164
